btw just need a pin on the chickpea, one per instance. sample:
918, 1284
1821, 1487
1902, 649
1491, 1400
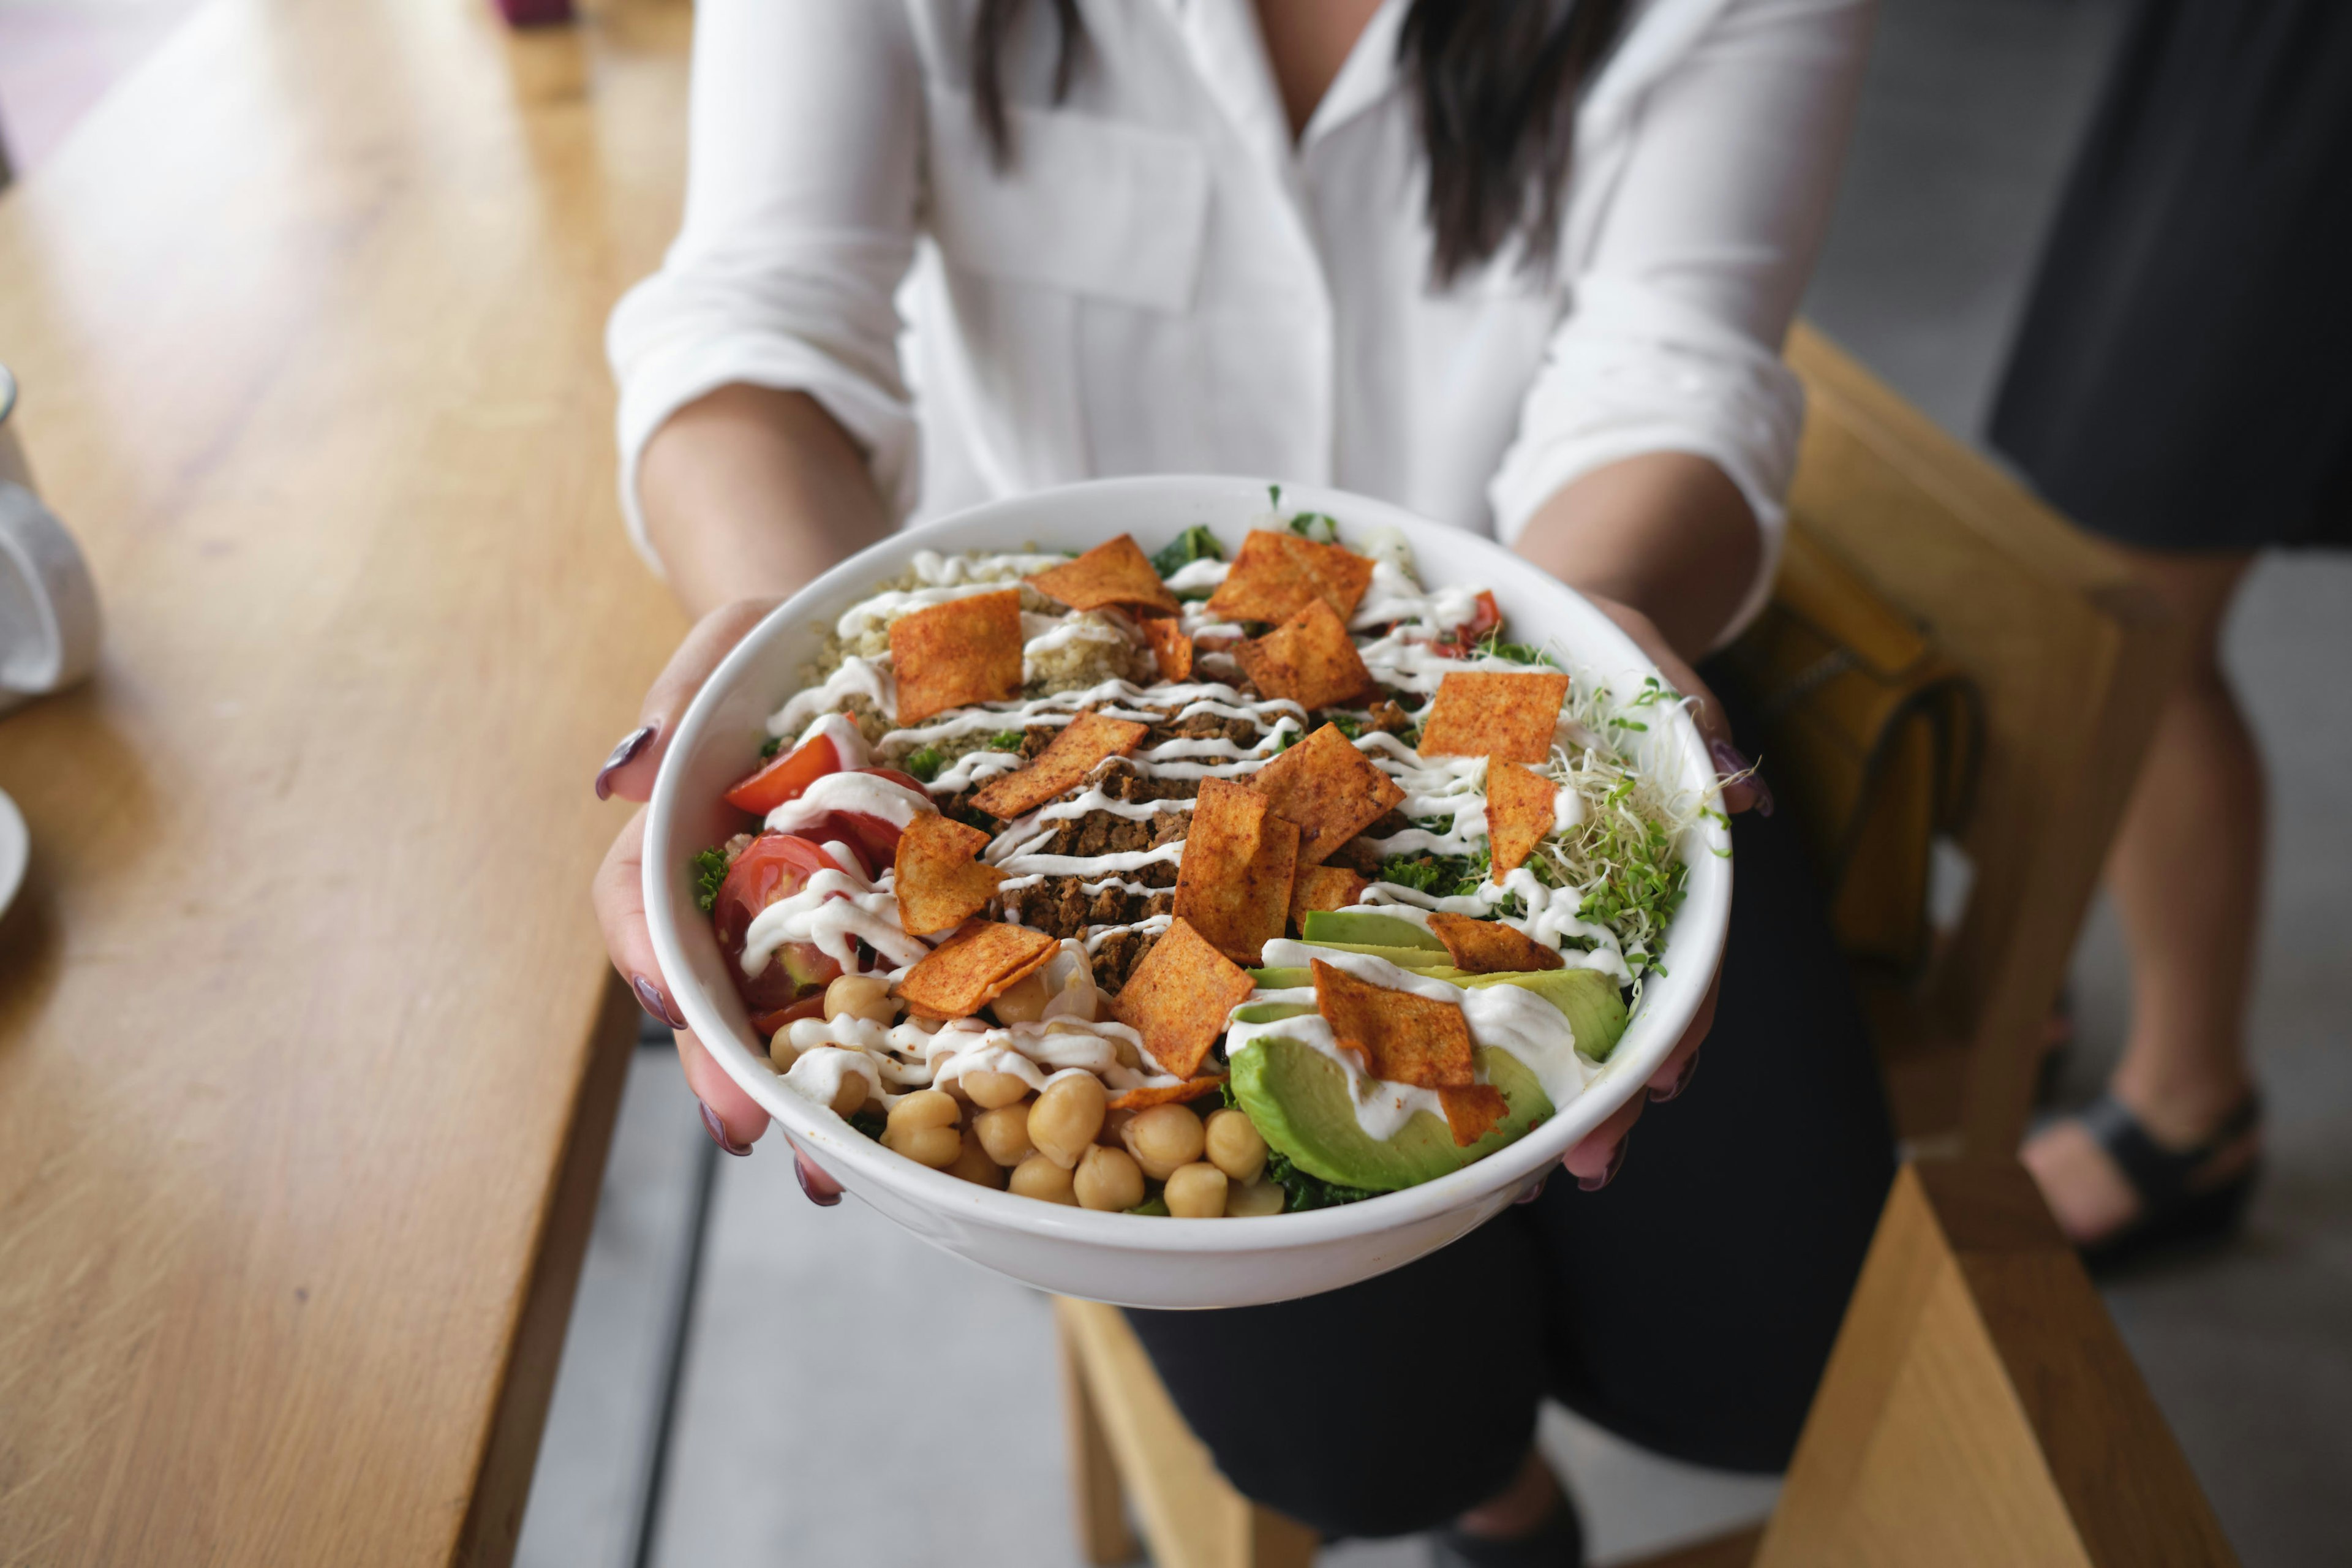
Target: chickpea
1256, 1199
864, 997
1107, 1179
1023, 1002
1005, 1133
1066, 1118
1040, 1178
924, 1107
989, 1091
1234, 1146
1163, 1138
934, 1146
974, 1165
851, 1095
1196, 1192
782, 1052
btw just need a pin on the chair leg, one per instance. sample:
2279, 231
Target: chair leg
1278, 1540
1104, 1537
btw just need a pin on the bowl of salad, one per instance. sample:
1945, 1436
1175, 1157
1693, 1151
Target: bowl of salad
1187, 891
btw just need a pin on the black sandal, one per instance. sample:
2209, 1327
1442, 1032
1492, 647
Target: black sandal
2174, 1212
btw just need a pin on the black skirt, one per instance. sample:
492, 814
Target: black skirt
2183, 377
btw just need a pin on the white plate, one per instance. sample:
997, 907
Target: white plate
1126, 1259
15, 850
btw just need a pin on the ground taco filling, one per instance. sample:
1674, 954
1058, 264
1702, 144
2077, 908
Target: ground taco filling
1180, 885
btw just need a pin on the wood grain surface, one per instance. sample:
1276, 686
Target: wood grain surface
308, 1050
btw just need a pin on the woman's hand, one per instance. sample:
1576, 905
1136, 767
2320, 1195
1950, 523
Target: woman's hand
733, 1118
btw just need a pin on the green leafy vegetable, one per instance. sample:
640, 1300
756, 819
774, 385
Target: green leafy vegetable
710, 870
1344, 724
926, 763
1006, 741
1438, 876
870, 1123
1195, 544
770, 747
1155, 1207
1493, 647
1315, 526
1302, 1192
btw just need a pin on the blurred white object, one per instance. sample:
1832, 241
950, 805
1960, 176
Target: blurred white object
48, 605
16, 849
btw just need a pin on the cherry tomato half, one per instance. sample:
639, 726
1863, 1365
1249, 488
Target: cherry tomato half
773, 867
786, 778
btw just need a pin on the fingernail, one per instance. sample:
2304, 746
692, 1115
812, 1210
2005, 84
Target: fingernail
822, 1200
1682, 1081
656, 1000
1535, 1190
1732, 764
623, 755
719, 1134
1616, 1163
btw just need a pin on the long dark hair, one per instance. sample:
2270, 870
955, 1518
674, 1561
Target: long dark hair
1495, 82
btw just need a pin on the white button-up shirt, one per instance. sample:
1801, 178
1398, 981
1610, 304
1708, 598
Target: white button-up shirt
1164, 281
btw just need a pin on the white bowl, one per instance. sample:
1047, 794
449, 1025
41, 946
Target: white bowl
1117, 1258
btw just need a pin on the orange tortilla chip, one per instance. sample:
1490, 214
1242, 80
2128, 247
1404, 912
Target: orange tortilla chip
1471, 1113
1084, 741
1171, 648
1233, 883
1494, 713
1330, 788
1166, 1094
1518, 813
1309, 658
1490, 947
940, 884
1277, 575
1400, 1037
1178, 996
1323, 888
966, 973
950, 656
1118, 572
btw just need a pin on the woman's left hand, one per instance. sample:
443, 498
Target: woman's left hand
1594, 1162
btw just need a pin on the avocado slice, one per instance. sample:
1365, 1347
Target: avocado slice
1403, 957
1356, 930
1268, 1012
1587, 997
1297, 1097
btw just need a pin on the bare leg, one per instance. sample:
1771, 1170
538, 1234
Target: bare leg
2186, 873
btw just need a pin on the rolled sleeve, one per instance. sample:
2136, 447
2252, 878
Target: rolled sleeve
1672, 337
800, 225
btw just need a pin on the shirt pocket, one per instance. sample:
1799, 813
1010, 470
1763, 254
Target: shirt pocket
1095, 207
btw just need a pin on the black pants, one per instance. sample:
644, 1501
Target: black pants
1688, 1307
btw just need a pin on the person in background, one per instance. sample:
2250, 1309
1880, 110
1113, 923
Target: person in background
2183, 384
1521, 266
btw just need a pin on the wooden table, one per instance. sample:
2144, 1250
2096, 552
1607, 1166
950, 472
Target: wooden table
308, 1055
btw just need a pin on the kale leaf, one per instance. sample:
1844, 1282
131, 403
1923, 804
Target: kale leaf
710, 870
1315, 526
770, 747
1006, 741
1302, 1192
1194, 543
926, 763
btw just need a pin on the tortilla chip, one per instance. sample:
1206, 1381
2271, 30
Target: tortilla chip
1494, 713
1276, 573
1399, 1036
966, 973
1178, 996
1171, 648
1166, 1094
1084, 741
1323, 888
964, 651
940, 884
1118, 572
1518, 813
1471, 1113
1330, 788
1309, 658
1233, 883
1490, 947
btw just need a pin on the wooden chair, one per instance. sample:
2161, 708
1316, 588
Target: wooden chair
1980, 1407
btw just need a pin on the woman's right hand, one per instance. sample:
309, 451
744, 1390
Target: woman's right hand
733, 1118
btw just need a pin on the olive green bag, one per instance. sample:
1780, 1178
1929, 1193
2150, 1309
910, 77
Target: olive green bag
1871, 738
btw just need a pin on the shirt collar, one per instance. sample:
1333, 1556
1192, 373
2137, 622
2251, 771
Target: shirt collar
1228, 51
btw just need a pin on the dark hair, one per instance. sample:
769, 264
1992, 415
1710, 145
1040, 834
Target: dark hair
1496, 83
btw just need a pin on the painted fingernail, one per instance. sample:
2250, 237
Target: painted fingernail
635, 741
1616, 1163
1682, 1081
1535, 1189
822, 1200
719, 1133
656, 1000
1732, 764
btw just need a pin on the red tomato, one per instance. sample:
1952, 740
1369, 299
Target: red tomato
874, 838
767, 1024
773, 867
786, 778
895, 777
1485, 618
